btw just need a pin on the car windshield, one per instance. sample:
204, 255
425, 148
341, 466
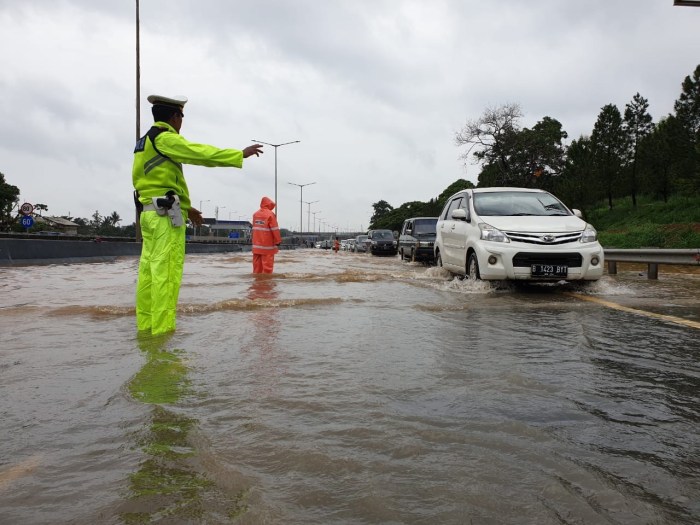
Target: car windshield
424, 226
361, 238
512, 203
382, 234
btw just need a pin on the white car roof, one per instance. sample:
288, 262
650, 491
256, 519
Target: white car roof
503, 189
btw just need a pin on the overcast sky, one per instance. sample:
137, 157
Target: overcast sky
374, 90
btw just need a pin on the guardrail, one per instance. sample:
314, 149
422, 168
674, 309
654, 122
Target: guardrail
652, 257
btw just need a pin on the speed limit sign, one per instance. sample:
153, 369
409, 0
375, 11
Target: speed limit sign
26, 209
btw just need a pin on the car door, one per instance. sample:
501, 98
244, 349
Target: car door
462, 232
449, 240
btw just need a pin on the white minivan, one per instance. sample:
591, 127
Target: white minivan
516, 233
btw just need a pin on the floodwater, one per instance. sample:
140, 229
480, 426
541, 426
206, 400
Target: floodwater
348, 389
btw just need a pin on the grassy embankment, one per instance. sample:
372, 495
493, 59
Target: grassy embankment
652, 224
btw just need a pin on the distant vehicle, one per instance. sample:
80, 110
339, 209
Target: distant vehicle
361, 243
417, 239
350, 245
382, 242
516, 233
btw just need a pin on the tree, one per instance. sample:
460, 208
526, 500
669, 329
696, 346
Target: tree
687, 106
114, 219
40, 208
491, 139
608, 145
687, 109
540, 154
637, 125
9, 199
574, 186
658, 153
381, 209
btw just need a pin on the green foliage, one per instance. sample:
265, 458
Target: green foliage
9, 199
386, 217
653, 223
609, 145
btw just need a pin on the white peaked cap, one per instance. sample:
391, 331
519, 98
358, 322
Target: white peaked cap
178, 101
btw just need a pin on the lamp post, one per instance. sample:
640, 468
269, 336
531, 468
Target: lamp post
200, 211
277, 212
137, 222
301, 203
308, 214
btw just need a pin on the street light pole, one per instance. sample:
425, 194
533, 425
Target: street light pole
200, 211
301, 203
319, 219
277, 211
308, 214
137, 222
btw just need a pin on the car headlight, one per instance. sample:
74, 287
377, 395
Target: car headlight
394, 243
589, 234
489, 233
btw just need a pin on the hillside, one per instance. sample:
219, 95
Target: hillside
652, 224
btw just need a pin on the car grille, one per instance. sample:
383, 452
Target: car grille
544, 238
525, 259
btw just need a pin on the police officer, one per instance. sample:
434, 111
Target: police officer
164, 200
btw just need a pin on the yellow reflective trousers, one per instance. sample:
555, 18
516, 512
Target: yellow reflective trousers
160, 273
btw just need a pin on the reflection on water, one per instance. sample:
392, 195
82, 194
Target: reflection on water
166, 487
347, 389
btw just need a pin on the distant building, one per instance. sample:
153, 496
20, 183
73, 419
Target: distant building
58, 224
230, 229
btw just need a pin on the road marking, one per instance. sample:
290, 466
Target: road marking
669, 318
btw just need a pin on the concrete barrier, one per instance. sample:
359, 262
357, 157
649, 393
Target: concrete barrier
60, 251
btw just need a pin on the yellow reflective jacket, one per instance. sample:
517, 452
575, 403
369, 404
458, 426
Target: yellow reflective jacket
158, 159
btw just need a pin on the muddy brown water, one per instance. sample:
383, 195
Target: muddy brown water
349, 389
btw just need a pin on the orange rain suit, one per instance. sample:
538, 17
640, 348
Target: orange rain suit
266, 237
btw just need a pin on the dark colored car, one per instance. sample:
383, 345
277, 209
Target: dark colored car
417, 239
361, 243
382, 242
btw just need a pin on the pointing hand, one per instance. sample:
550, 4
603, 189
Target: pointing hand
255, 149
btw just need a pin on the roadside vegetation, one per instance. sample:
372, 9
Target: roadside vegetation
649, 224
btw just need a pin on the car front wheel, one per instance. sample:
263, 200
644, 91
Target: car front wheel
473, 267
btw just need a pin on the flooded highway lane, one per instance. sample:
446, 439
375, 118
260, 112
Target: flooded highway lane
347, 389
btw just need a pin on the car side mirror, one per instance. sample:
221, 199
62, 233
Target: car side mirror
577, 213
459, 214
408, 231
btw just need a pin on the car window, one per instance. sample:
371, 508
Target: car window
382, 234
423, 226
515, 203
454, 204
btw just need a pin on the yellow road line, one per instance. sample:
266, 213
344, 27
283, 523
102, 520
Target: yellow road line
669, 318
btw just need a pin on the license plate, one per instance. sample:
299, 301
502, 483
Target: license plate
549, 270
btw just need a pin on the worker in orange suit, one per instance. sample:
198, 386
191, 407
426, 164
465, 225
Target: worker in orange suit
266, 237
336, 245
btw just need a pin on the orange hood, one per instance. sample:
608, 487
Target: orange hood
268, 203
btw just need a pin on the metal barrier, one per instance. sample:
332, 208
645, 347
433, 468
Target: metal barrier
652, 257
